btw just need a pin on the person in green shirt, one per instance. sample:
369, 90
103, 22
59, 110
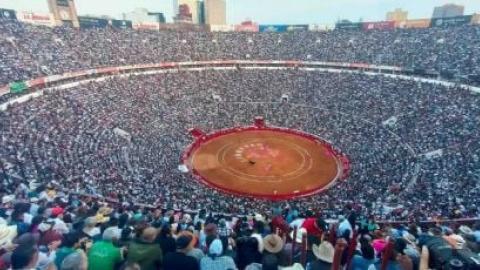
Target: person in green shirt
145, 251
103, 254
70, 242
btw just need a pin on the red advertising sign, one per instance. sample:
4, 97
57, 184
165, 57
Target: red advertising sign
246, 28
36, 82
385, 25
35, 18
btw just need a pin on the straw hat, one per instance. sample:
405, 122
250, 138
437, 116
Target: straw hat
101, 219
300, 233
273, 243
7, 234
324, 251
104, 211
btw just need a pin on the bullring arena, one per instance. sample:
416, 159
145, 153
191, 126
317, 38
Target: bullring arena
265, 162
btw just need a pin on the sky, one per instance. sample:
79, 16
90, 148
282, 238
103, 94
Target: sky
324, 12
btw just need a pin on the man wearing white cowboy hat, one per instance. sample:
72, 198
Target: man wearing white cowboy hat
274, 244
324, 256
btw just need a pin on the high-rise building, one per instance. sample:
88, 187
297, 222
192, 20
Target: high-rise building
193, 6
175, 7
397, 15
215, 12
201, 12
448, 10
64, 12
184, 14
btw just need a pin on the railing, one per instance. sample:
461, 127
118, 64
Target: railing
42, 82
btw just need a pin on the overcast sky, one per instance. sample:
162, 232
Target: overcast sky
265, 11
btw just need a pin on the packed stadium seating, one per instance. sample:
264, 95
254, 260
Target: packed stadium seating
65, 171
30, 51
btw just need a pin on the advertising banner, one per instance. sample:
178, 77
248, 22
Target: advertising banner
318, 27
106, 70
246, 28
90, 22
222, 28
36, 82
297, 27
181, 27
348, 26
451, 21
8, 14
36, 18
385, 25
272, 28
18, 87
146, 26
122, 24
359, 65
280, 28
418, 23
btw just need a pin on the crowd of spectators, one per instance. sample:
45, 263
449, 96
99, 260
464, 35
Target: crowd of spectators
413, 147
422, 166
28, 51
45, 228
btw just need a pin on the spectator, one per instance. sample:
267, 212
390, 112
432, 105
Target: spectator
324, 256
365, 259
103, 254
214, 260
145, 251
70, 243
24, 258
75, 261
179, 259
165, 239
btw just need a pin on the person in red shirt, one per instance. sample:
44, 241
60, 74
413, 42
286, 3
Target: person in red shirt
315, 226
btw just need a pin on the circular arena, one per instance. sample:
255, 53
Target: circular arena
265, 162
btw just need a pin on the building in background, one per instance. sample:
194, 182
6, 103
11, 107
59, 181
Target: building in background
64, 12
201, 12
184, 14
397, 15
138, 16
215, 12
159, 17
476, 18
194, 7
448, 10
175, 7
